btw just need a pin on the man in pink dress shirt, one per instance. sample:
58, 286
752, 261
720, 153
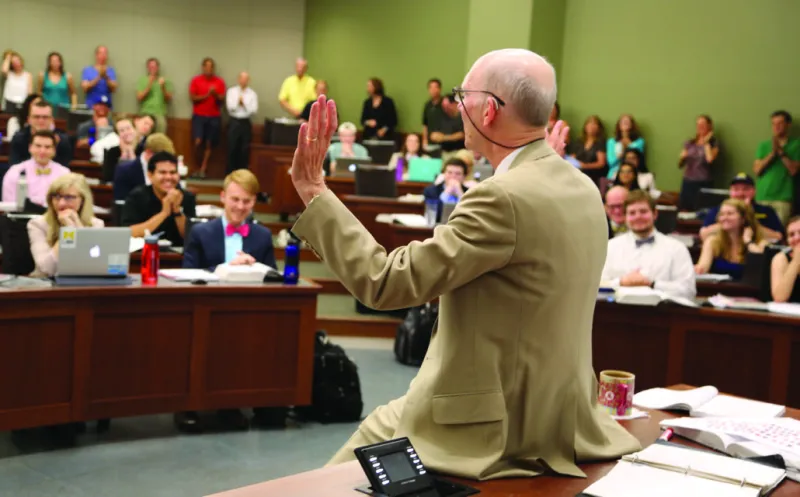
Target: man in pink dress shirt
40, 170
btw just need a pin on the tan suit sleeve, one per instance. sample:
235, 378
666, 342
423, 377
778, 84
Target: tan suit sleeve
43, 255
479, 237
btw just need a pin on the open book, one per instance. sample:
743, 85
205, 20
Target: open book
706, 402
643, 295
668, 470
741, 437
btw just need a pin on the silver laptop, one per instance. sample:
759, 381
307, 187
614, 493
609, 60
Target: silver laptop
96, 252
346, 166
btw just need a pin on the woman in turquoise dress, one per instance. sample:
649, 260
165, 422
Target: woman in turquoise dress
56, 86
724, 252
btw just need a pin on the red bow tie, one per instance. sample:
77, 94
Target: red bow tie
242, 229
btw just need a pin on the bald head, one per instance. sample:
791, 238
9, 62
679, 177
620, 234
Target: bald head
615, 203
300, 66
524, 80
244, 79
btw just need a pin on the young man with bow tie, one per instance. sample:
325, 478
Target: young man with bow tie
40, 170
645, 257
234, 239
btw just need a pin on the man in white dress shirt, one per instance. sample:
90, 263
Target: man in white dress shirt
242, 103
645, 257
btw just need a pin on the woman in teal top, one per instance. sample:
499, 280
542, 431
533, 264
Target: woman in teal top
626, 135
55, 86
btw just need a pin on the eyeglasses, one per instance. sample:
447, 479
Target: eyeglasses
460, 93
40, 116
66, 197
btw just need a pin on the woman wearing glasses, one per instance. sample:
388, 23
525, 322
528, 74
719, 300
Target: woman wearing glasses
69, 203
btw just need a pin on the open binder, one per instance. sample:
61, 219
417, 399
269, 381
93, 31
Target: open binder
668, 470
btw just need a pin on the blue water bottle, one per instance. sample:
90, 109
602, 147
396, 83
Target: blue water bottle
92, 135
291, 266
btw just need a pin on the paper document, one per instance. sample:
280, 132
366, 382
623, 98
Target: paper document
715, 278
137, 244
784, 308
210, 211
188, 275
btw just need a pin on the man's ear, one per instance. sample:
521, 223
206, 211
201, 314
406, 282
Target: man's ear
222, 196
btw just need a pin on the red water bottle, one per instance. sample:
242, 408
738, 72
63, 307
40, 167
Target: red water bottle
150, 260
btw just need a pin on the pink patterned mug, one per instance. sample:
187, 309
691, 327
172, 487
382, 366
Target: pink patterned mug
616, 392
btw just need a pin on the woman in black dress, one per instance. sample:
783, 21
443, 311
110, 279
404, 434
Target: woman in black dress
590, 150
378, 116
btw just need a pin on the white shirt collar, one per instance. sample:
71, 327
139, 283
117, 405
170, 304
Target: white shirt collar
506, 163
144, 168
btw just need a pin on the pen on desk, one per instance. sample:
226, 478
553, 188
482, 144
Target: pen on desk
666, 435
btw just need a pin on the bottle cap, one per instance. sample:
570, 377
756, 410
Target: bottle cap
152, 237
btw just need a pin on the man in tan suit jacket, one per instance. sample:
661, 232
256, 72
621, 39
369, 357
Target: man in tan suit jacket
507, 387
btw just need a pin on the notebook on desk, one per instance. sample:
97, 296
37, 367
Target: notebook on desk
706, 402
669, 470
745, 437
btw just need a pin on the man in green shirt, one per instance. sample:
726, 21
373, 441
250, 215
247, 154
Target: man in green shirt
777, 161
154, 93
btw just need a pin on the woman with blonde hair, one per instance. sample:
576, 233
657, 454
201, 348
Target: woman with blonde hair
69, 203
739, 233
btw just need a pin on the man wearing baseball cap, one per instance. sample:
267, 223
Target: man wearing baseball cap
744, 188
101, 123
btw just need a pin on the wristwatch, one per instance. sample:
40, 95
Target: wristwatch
653, 285
178, 214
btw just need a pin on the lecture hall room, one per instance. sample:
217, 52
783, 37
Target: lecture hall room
214, 281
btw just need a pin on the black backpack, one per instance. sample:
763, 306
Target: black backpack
414, 334
336, 389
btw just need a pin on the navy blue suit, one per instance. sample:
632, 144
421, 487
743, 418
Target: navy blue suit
129, 175
205, 248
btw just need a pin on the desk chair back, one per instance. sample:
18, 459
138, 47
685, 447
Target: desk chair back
17, 258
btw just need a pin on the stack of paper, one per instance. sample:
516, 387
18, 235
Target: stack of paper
745, 437
713, 278
188, 275
784, 308
209, 211
706, 402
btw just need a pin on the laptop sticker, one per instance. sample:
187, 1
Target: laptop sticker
69, 238
118, 264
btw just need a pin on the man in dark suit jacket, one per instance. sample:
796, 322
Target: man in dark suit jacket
449, 187
128, 175
234, 240
40, 118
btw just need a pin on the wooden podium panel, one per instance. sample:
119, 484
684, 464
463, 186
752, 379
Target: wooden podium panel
72, 354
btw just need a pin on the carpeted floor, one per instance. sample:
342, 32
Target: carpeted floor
146, 456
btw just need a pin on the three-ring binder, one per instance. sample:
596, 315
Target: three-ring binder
688, 471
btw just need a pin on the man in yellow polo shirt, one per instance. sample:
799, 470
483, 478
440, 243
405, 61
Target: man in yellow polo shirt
297, 90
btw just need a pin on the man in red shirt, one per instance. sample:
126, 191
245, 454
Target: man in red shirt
207, 92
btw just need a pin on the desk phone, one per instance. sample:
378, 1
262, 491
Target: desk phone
394, 469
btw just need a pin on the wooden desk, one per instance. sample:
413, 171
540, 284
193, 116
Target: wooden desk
103, 195
87, 168
728, 288
271, 163
689, 226
72, 354
339, 481
367, 208
750, 354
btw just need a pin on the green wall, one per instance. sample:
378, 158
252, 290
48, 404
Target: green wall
547, 30
403, 43
496, 24
668, 61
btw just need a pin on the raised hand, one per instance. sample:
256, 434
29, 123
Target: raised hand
557, 139
313, 141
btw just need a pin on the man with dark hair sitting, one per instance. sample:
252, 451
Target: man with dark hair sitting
161, 206
40, 118
448, 187
40, 170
